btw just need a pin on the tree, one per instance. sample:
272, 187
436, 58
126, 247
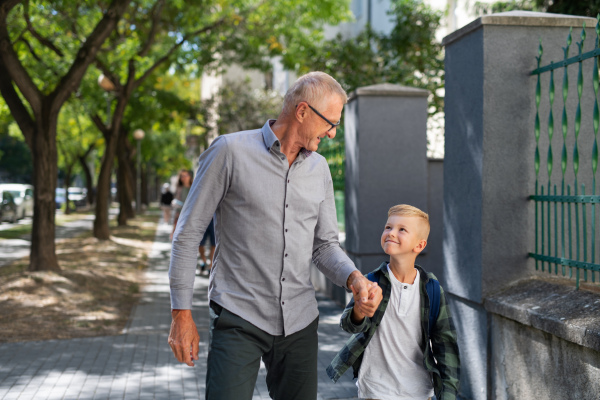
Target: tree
239, 107
156, 35
44, 54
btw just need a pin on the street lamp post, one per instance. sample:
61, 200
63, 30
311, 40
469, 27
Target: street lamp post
138, 135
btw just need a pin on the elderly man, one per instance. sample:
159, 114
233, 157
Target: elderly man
272, 199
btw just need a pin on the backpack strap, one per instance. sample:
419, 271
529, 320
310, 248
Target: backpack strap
373, 277
433, 291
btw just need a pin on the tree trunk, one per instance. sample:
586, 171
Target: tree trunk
125, 180
101, 229
43, 250
89, 180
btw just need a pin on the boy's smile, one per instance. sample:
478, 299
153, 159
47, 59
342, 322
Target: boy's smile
402, 235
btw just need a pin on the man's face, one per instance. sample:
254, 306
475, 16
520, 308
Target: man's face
402, 235
316, 128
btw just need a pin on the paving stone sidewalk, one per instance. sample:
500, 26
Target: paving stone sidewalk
138, 364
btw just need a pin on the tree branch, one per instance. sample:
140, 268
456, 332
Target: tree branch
44, 41
14, 70
156, 10
176, 46
16, 106
105, 130
87, 53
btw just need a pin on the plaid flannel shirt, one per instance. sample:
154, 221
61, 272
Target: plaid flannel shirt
440, 351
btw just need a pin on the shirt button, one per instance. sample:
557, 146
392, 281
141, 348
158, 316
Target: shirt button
283, 303
282, 279
405, 287
283, 158
286, 255
286, 230
286, 206
288, 181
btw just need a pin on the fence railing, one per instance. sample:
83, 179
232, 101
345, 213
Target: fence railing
565, 217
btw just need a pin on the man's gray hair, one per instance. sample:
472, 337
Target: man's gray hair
313, 88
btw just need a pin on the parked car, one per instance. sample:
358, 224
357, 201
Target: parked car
23, 196
78, 196
8, 207
60, 197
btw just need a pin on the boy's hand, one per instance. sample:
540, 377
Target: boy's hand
367, 295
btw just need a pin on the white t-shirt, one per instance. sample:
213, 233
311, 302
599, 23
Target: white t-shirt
392, 367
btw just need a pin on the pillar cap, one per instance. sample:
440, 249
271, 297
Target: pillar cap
521, 18
388, 89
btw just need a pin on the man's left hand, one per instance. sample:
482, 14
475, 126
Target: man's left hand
367, 294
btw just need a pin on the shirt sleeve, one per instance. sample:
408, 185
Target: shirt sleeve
445, 350
328, 256
208, 189
346, 321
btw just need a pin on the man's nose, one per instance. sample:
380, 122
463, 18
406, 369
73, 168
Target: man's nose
331, 133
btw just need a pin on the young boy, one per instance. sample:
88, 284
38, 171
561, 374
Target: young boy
395, 354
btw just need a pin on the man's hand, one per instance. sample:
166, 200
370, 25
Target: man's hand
183, 338
367, 295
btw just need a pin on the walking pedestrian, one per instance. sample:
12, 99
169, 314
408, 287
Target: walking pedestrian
272, 198
166, 198
184, 183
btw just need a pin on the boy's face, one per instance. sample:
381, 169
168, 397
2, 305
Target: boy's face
403, 235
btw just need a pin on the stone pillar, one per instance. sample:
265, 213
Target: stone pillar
386, 163
489, 169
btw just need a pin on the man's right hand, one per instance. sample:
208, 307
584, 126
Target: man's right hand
184, 338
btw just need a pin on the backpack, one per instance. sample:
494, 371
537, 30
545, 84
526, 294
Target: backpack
433, 292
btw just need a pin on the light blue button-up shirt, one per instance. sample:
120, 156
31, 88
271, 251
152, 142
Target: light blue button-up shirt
271, 220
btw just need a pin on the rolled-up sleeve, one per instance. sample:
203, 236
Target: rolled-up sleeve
207, 191
328, 256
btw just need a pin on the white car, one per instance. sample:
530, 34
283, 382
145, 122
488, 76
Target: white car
23, 195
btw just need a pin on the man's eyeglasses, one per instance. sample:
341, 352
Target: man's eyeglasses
326, 120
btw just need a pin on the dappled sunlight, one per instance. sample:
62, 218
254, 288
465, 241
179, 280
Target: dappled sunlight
92, 295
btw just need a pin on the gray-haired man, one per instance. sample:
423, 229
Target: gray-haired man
273, 203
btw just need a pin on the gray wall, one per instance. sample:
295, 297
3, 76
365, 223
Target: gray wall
386, 164
489, 170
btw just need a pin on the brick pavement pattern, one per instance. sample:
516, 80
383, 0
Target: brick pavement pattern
139, 364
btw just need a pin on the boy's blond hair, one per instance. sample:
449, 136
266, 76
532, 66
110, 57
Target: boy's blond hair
405, 210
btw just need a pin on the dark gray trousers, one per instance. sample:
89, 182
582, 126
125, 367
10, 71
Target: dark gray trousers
236, 347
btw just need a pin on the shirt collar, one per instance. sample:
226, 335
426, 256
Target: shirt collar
270, 139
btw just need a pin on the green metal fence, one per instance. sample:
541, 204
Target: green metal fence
335, 153
565, 223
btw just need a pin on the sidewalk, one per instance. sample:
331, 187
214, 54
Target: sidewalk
139, 364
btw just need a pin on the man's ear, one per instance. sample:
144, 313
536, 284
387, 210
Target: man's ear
420, 246
300, 111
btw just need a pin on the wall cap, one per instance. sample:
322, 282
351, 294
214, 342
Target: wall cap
556, 308
520, 18
388, 89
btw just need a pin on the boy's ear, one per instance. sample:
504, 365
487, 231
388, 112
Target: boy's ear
420, 246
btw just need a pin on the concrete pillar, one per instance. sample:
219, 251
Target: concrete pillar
488, 167
386, 163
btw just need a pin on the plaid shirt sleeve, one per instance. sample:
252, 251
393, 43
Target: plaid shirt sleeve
445, 350
349, 326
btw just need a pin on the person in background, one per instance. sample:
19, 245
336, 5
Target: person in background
165, 202
183, 188
210, 235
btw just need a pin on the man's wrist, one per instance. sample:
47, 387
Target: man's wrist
351, 278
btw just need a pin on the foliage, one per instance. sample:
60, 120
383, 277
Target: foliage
588, 8
240, 107
15, 159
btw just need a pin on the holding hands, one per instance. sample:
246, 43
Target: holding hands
367, 296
